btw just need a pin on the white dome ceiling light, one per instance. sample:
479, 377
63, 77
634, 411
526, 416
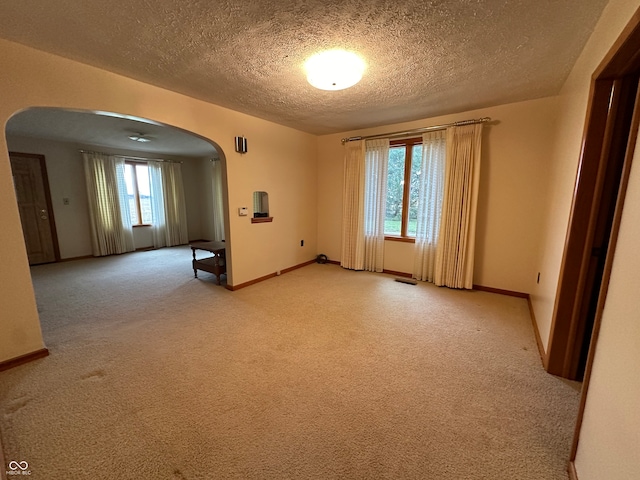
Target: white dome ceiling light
334, 69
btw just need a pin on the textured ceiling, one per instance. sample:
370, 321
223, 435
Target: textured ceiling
425, 58
106, 130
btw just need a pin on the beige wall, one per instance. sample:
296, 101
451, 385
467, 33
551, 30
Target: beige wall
281, 161
513, 187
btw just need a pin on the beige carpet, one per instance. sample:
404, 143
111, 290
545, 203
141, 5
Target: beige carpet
320, 373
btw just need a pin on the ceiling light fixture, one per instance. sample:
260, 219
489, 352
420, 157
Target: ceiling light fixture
334, 69
139, 137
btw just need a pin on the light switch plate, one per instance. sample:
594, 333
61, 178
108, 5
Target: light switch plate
243, 212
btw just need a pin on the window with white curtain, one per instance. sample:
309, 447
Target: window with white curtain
419, 190
133, 193
403, 181
136, 175
109, 215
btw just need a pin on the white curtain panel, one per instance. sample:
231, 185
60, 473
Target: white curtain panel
375, 202
456, 245
218, 206
174, 204
110, 218
167, 204
430, 195
158, 222
352, 254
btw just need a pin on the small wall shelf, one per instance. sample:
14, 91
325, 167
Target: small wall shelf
262, 219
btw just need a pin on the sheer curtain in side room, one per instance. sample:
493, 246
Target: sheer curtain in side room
218, 206
167, 204
110, 218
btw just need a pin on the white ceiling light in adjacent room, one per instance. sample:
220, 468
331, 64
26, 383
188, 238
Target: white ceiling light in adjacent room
334, 69
139, 137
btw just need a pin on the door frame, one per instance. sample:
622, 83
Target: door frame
47, 196
621, 61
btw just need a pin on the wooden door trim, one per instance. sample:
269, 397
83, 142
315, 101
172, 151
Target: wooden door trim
606, 277
578, 239
623, 59
47, 196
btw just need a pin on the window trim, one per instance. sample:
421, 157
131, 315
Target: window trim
408, 143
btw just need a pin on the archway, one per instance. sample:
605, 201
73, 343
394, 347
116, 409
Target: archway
58, 135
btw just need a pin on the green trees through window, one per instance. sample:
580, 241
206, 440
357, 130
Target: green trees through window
403, 180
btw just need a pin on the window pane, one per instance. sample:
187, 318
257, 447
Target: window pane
416, 163
395, 186
131, 193
144, 190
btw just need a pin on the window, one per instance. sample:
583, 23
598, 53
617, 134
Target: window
403, 180
136, 175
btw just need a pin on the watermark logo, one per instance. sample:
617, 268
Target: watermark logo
18, 468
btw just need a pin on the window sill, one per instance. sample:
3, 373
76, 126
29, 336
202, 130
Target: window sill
142, 225
400, 239
262, 219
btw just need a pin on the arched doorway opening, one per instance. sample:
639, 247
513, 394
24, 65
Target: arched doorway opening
55, 137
